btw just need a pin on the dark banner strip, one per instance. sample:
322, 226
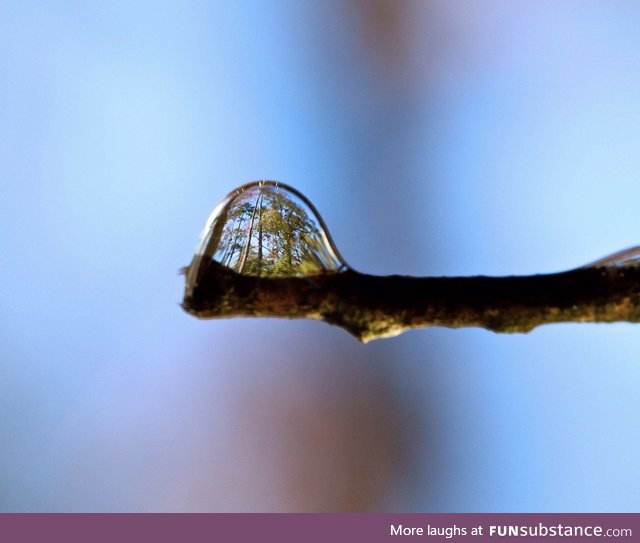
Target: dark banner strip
320, 528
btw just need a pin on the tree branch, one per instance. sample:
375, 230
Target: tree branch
372, 307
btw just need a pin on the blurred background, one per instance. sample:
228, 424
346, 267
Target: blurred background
436, 138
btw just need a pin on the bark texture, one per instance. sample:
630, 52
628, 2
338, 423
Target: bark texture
372, 307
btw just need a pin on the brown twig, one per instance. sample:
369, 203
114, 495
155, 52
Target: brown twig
372, 307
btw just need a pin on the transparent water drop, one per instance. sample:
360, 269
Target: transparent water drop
627, 258
266, 229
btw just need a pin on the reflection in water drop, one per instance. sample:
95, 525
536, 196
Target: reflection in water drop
622, 259
267, 229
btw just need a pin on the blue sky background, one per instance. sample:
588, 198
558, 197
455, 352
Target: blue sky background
436, 138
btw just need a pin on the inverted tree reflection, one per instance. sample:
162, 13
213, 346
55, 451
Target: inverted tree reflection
270, 231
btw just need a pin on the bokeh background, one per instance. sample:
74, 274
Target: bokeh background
436, 138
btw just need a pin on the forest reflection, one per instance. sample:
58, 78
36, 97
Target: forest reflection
269, 231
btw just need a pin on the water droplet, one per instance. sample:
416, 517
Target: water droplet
267, 229
628, 258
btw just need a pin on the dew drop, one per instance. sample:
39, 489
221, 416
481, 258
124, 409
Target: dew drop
627, 258
266, 229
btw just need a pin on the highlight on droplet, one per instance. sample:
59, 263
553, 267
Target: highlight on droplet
266, 229
626, 258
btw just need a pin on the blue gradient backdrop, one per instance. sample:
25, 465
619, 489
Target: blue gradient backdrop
507, 143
